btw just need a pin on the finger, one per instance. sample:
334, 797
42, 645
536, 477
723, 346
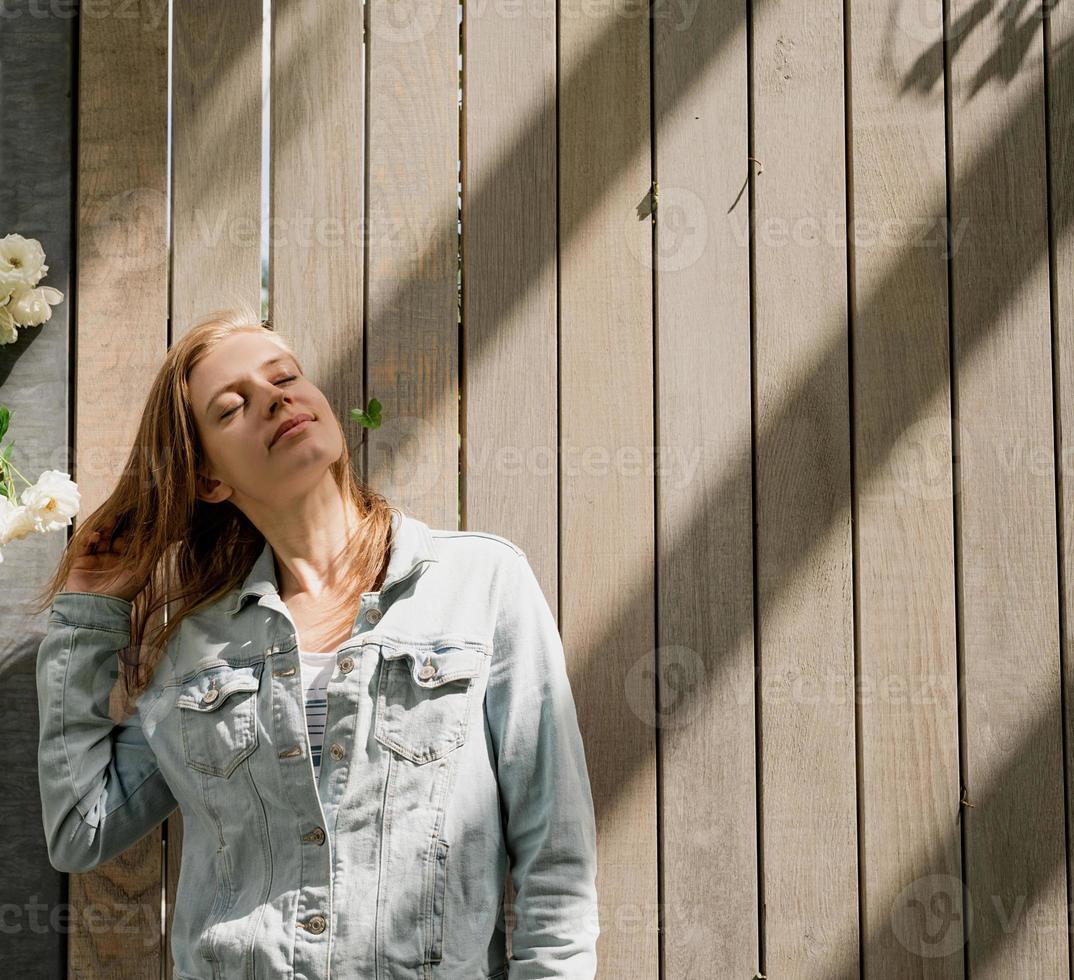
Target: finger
105, 529
118, 527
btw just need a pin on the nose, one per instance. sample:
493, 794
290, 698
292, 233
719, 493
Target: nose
276, 398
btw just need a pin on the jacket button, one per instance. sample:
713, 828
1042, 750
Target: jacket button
427, 671
373, 616
346, 664
316, 836
316, 923
336, 751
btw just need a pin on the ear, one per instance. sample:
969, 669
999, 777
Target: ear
212, 491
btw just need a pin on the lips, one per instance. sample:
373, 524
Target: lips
287, 424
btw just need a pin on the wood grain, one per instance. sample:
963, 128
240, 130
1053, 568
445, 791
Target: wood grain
803, 543
411, 329
706, 714
907, 673
121, 338
216, 158
606, 430
1015, 855
509, 423
1059, 70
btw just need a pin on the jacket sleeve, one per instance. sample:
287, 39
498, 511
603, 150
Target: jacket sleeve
544, 787
101, 788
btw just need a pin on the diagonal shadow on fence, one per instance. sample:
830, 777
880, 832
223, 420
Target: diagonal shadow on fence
735, 484
978, 315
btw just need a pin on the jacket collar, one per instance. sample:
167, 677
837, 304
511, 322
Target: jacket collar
411, 545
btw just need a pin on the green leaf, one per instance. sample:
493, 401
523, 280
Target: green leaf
370, 418
5, 417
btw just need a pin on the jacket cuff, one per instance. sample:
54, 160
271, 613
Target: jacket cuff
93, 610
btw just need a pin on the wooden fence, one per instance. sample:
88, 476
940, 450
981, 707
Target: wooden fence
762, 353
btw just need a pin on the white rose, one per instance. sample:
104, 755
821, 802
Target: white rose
32, 307
15, 521
6, 510
52, 501
9, 332
22, 261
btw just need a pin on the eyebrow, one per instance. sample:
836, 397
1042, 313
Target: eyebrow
231, 384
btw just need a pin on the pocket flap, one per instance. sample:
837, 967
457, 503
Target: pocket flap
211, 688
434, 666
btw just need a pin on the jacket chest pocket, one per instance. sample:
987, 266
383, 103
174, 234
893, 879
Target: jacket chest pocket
218, 716
424, 697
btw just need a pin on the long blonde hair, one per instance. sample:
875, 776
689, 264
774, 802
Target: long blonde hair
190, 552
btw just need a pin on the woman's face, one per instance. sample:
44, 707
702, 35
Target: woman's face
242, 391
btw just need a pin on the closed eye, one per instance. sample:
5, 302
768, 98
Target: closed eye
230, 411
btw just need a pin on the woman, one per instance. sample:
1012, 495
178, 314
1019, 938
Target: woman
449, 729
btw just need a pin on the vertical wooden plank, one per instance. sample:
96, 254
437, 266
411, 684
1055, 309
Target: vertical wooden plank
804, 574
216, 197
509, 335
412, 269
1007, 569
607, 528
1059, 68
36, 119
509, 280
912, 869
316, 197
216, 157
122, 333
705, 528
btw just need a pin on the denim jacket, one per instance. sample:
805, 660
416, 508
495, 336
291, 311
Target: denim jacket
451, 744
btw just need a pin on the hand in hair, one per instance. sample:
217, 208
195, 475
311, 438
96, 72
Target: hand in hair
99, 566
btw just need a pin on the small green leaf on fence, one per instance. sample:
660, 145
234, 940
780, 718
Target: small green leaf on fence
370, 418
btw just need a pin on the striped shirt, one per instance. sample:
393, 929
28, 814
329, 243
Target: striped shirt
317, 668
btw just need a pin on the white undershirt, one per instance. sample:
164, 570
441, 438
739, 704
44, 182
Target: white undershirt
317, 668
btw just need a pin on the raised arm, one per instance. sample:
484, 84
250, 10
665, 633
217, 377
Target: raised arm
101, 788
